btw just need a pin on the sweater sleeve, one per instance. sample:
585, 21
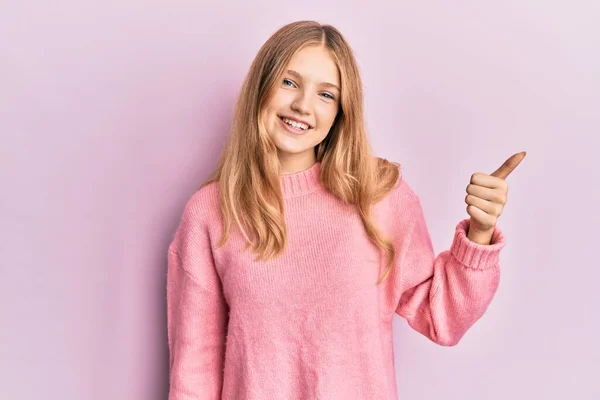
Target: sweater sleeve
442, 297
196, 314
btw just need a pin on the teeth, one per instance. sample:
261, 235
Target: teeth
295, 124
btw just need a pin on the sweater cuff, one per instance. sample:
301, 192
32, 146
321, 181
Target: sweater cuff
475, 255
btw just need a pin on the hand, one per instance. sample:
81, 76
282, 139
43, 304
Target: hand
486, 198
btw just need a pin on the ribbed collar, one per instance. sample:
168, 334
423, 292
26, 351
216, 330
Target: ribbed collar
302, 182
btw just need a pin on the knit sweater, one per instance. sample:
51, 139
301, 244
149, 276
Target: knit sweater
312, 323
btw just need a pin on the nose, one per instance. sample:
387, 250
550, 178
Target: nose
302, 103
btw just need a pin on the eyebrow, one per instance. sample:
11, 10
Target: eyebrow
297, 75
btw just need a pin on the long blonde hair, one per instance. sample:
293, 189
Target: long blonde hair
248, 171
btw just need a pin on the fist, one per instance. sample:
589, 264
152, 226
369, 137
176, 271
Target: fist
486, 198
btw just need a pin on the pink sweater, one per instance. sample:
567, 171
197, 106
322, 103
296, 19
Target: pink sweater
312, 324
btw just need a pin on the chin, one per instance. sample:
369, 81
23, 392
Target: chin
292, 150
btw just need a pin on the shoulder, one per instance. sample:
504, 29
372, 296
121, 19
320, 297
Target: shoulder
401, 198
203, 202
200, 212
391, 173
403, 188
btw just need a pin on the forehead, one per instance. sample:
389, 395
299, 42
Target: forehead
315, 63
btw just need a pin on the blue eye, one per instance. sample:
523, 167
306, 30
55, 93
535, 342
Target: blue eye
287, 80
330, 96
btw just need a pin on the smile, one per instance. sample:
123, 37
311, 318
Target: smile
294, 126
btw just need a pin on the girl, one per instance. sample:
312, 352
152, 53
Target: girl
291, 260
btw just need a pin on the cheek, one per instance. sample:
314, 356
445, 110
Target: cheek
280, 98
269, 112
327, 115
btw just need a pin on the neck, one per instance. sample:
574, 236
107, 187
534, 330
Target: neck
297, 162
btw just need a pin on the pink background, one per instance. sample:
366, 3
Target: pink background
112, 113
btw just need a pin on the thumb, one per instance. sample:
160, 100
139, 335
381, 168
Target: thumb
509, 165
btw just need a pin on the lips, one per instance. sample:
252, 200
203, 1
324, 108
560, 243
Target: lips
297, 120
291, 129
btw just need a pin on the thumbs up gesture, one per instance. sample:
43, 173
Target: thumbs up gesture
486, 198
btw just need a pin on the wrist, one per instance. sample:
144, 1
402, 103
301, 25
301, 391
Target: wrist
481, 237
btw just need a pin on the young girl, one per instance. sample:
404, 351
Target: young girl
290, 262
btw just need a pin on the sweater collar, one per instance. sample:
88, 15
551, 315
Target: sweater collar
302, 182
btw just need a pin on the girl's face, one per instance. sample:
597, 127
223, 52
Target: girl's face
303, 107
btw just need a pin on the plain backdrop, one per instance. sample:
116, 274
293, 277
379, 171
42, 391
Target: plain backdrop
112, 114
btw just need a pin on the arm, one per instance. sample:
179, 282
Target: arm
196, 316
442, 297
480, 237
